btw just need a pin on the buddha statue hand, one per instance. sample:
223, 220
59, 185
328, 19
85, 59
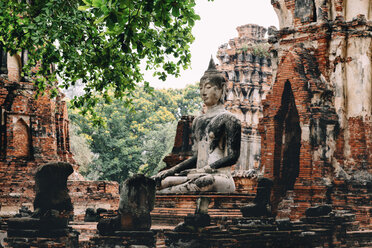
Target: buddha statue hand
163, 174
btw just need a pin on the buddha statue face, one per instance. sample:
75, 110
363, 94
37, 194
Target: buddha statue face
210, 93
212, 86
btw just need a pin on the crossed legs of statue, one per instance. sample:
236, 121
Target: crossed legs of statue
200, 182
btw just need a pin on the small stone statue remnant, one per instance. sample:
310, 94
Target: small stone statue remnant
137, 200
261, 203
216, 148
52, 205
51, 188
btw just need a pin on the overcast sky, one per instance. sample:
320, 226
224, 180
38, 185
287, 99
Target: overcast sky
217, 26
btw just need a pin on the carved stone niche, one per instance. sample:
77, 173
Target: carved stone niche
20, 140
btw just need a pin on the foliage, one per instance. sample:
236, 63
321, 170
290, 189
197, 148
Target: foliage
261, 50
81, 150
135, 138
101, 42
156, 145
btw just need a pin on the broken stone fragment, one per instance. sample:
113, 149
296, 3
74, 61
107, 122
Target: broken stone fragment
108, 226
90, 215
137, 199
199, 220
51, 188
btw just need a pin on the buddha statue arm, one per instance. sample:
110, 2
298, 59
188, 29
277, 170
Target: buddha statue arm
187, 164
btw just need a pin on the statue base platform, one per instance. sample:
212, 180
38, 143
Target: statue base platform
170, 209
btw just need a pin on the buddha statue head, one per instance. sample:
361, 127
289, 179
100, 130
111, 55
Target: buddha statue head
212, 86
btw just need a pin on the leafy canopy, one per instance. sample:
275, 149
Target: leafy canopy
101, 42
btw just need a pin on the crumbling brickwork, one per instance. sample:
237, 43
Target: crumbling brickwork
316, 126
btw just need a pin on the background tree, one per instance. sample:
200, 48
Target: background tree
101, 42
137, 138
81, 150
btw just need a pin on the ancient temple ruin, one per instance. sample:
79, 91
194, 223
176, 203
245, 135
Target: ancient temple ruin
32, 132
306, 111
316, 128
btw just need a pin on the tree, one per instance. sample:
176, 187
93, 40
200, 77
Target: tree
101, 42
81, 150
156, 145
137, 138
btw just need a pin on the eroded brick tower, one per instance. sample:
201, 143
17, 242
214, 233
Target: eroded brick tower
32, 132
316, 128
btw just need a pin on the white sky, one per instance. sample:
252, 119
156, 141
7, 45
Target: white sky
217, 26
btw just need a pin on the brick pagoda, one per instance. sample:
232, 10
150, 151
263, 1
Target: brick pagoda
316, 129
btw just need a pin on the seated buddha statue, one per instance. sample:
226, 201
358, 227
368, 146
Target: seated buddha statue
216, 137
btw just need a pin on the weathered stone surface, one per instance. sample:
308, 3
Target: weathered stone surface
108, 226
195, 222
69, 241
171, 209
125, 239
326, 231
318, 211
51, 188
91, 215
137, 200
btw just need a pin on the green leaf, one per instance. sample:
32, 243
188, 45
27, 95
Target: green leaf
83, 8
